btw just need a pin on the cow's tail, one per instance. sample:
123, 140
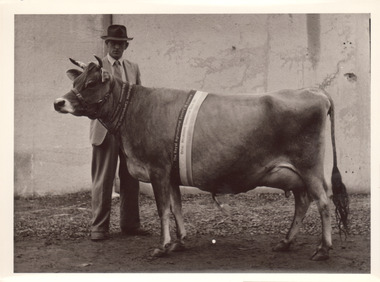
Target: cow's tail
340, 196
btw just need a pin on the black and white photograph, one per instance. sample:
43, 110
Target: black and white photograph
209, 142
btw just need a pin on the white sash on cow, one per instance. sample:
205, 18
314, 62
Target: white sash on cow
185, 146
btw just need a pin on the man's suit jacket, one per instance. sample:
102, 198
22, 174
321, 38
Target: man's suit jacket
97, 131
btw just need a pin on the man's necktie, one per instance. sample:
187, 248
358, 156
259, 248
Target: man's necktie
117, 70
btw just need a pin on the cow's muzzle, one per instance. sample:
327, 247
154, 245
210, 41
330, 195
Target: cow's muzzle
61, 105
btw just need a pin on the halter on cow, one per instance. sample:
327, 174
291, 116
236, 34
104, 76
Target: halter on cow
239, 142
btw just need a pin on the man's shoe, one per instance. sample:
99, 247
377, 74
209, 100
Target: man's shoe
135, 232
99, 236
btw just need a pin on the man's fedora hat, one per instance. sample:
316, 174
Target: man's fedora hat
116, 32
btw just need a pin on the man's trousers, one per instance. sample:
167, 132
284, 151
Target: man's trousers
103, 171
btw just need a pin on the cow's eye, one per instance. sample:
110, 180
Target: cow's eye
91, 83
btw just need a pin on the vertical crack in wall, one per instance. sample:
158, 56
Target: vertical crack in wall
267, 54
313, 26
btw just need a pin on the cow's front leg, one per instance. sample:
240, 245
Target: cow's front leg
161, 191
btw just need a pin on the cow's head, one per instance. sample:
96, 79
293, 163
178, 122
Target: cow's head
90, 89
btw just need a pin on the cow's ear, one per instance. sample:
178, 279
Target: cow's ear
73, 73
105, 75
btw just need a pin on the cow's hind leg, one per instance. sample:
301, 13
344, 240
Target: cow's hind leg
318, 191
302, 203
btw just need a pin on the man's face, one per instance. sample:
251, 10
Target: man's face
116, 48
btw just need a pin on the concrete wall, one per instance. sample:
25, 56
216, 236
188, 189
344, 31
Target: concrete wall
52, 151
217, 53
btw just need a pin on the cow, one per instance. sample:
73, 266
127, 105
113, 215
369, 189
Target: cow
240, 142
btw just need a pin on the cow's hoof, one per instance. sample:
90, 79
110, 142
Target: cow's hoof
320, 255
281, 247
159, 253
177, 247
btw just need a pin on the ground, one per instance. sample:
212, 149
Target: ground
51, 235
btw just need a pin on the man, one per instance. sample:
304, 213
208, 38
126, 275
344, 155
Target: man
106, 152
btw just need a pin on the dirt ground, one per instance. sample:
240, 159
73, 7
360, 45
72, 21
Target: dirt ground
51, 235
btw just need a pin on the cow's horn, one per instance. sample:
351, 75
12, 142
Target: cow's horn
99, 61
78, 63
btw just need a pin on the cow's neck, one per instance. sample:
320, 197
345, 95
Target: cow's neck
115, 108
